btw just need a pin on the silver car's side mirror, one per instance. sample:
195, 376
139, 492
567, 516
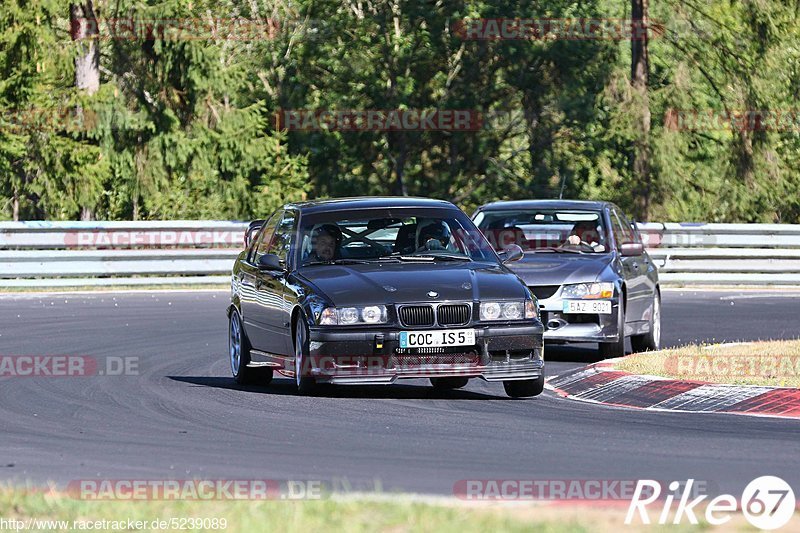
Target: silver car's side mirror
632, 248
512, 252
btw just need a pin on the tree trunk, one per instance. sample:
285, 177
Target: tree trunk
639, 79
398, 151
84, 26
15, 205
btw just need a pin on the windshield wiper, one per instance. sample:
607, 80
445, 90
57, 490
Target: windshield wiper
338, 262
568, 251
439, 257
559, 251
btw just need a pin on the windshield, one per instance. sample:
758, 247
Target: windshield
402, 235
552, 230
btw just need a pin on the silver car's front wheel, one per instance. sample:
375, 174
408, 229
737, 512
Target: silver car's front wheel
657, 323
651, 340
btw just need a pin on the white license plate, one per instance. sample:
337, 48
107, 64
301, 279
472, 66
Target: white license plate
437, 337
596, 307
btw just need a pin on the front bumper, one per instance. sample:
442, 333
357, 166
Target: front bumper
562, 327
370, 356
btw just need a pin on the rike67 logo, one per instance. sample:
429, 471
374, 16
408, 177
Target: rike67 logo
767, 502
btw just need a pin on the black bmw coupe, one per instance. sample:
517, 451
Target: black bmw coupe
371, 290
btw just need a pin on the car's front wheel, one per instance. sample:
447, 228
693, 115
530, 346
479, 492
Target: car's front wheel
239, 354
303, 381
616, 348
524, 388
449, 383
650, 341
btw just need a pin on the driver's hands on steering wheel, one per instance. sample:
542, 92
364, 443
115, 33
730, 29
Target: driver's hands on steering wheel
574, 240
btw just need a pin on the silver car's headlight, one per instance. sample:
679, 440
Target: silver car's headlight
345, 316
588, 290
507, 310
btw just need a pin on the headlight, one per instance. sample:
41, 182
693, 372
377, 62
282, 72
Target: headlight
491, 311
345, 316
373, 314
348, 315
588, 290
530, 309
505, 310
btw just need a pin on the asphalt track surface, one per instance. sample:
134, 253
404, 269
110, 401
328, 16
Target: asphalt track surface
183, 417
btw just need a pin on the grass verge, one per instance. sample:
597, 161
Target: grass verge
42, 510
769, 363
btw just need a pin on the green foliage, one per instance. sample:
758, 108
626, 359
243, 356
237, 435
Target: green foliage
184, 128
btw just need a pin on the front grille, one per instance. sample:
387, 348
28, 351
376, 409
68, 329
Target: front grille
416, 315
453, 315
543, 292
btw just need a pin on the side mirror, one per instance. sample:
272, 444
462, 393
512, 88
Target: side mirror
512, 252
269, 262
632, 248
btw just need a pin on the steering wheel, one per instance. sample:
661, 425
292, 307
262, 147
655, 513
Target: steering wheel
584, 246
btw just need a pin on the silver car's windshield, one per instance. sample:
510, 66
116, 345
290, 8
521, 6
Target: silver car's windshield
551, 230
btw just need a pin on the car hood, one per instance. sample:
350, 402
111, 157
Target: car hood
556, 269
406, 282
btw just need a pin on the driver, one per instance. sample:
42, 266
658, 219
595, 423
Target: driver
325, 240
434, 236
586, 232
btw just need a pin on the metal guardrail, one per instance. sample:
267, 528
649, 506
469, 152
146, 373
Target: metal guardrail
76, 254
725, 254
71, 254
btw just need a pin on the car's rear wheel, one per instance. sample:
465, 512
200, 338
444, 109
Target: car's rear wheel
239, 354
303, 382
616, 348
449, 383
651, 340
524, 388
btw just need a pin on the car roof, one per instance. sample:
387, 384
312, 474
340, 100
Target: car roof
545, 204
368, 202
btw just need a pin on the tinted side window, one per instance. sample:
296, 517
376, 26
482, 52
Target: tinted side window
265, 237
622, 229
637, 236
282, 241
